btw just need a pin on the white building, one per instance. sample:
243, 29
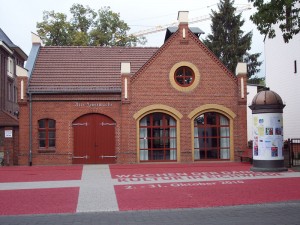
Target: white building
283, 76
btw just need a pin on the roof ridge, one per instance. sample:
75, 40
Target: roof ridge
107, 47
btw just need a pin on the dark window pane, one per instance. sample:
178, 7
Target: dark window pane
188, 72
52, 143
212, 154
179, 72
42, 143
51, 123
211, 118
42, 123
42, 135
51, 134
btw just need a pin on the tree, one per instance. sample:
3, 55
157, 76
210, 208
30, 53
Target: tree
86, 28
55, 29
282, 12
228, 41
110, 30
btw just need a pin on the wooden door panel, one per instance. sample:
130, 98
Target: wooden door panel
94, 140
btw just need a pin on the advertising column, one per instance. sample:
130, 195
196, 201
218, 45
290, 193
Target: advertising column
267, 125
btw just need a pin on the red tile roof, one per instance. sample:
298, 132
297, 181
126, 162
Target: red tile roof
84, 69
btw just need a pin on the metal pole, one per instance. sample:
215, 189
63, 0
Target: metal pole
30, 130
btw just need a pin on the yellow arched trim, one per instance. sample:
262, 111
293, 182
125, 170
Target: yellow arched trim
157, 108
178, 87
213, 108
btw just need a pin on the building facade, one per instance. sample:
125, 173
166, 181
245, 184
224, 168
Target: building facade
283, 77
12, 60
176, 103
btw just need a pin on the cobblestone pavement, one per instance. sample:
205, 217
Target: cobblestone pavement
208, 193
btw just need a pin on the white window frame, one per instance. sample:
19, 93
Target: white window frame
10, 67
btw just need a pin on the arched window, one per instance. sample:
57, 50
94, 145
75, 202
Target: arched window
47, 133
211, 137
158, 138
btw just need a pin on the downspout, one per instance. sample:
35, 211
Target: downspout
30, 131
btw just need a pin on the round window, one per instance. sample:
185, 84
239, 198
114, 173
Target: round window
184, 76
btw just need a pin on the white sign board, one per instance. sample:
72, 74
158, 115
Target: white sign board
8, 133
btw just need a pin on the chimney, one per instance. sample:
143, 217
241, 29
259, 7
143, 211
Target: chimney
125, 76
36, 39
183, 17
125, 68
241, 73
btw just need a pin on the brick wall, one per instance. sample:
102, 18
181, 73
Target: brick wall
150, 86
216, 86
64, 112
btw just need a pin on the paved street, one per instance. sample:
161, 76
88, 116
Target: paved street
210, 193
265, 214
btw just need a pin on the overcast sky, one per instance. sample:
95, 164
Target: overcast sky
18, 18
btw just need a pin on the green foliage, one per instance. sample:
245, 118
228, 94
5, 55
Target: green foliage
228, 42
257, 80
282, 12
55, 29
86, 28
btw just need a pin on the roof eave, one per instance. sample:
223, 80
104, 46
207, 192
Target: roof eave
76, 92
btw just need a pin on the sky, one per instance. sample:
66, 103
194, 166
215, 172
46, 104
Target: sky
18, 18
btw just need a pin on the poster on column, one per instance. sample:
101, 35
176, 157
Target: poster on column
267, 136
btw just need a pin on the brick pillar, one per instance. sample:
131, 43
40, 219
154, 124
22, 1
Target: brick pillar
241, 125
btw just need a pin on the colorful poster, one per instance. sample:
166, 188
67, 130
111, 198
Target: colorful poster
267, 136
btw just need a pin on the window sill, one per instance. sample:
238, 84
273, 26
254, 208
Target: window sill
46, 150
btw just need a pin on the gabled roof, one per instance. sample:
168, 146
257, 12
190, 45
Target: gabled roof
84, 69
4, 38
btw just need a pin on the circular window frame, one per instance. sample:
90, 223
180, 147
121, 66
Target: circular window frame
185, 69
180, 87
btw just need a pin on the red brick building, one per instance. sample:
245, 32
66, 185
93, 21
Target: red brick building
176, 103
12, 60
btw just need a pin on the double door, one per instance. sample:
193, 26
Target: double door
94, 140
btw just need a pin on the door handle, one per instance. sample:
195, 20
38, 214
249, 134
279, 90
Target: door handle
107, 156
81, 157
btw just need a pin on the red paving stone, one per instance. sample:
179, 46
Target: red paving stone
40, 173
150, 196
117, 170
39, 201
206, 194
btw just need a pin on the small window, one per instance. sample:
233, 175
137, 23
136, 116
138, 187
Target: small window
47, 133
10, 67
184, 76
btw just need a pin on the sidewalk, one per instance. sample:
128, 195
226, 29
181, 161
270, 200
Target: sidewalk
101, 188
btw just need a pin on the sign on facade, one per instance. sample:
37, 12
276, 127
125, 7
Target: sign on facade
8, 134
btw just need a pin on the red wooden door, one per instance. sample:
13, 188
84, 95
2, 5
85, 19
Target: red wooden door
94, 140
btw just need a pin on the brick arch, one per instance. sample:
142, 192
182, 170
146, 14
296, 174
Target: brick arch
157, 108
214, 108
